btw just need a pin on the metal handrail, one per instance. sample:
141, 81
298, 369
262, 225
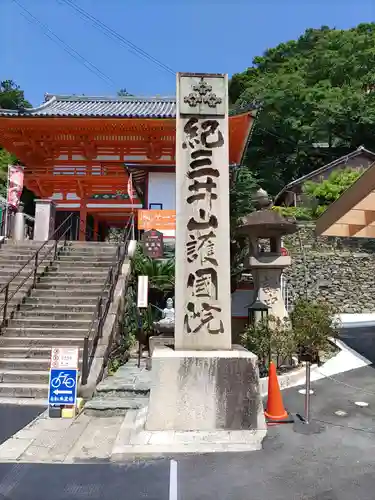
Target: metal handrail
95, 330
34, 270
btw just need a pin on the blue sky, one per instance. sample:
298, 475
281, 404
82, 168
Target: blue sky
186, 35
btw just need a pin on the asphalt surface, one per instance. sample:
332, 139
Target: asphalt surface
15, 417
338, 463
361, 340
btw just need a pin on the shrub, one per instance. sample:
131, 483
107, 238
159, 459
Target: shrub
270, 339
298, 213
314, 324
310, 329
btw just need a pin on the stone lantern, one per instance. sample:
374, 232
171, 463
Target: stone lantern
266, 261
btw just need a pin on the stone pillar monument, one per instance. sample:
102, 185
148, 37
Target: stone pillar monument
204, 384
44, 226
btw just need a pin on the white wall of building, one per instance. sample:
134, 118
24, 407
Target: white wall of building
162, 189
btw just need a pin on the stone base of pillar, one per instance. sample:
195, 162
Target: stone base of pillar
19, 227
211, 395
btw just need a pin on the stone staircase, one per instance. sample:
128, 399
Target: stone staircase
58, 312
127, 389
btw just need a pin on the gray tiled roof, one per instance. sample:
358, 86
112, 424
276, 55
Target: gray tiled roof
115, 107
123, 107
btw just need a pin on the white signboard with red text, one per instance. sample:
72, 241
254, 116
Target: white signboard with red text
64, 357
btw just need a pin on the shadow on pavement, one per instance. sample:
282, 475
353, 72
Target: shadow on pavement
361, 340
149, 480
14, 417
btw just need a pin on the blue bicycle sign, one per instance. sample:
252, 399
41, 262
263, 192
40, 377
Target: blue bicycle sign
62, 387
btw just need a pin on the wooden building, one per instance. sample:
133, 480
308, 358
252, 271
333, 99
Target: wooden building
80, 150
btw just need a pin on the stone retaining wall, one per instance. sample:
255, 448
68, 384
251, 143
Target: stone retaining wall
341, 270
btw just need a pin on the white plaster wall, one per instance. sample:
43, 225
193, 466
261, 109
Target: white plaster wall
162, 189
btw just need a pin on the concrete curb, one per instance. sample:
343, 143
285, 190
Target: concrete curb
287, 380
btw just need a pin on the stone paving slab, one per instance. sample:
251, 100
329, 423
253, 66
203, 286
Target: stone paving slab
97, 440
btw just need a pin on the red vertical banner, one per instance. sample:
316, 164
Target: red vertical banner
132, 194
15, 185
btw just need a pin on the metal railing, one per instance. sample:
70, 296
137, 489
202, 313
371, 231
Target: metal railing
95, 331
60, 234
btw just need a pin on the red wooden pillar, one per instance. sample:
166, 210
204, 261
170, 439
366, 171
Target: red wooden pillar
83, 221
96, 229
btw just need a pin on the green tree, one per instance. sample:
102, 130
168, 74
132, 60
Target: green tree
161, 276
123, 93
242, 188
330, 189
316, 101
314, 324
11, 97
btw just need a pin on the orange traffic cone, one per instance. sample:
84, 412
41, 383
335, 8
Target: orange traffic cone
275, 412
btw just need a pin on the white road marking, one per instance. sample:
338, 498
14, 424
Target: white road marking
340, 413
173, 481
303, 391
361, 403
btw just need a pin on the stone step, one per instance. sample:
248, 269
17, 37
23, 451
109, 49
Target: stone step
11, 271
25, 256
20, 390
30, 332
52, 314
27, 353
124, 389
22, 251
112, 406
86, 259
38, 341
62, 284
79, 243
68, 272
30, 364
16, 281
84, 265
50, 323
24, 376
88, 254
28, 244
60, 301
77, 278
66, 290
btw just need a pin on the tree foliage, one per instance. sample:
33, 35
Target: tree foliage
330, 189
314, 324
316, 102
11, 97
321, 194
242, 188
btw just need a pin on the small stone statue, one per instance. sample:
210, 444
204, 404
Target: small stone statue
166, 324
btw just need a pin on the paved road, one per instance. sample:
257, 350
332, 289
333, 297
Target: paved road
336, 464
361, 339
15, 417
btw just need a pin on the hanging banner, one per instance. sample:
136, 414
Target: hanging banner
157, 219
15, 185
131, 192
